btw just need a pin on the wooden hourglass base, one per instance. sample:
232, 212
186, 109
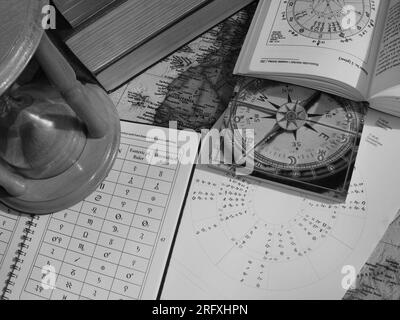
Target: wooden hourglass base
59, 141
43, 196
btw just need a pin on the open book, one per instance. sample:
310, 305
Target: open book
347, 48
113, 245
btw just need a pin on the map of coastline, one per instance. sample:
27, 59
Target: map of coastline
192, 86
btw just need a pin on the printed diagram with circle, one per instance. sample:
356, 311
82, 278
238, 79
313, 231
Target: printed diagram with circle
271, 240
327, 23
328, 19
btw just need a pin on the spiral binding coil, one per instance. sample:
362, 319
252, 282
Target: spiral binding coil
20, 254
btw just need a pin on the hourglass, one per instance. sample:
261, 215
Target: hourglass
57, 141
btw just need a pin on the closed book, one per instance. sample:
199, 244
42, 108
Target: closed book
77, 12
139, 33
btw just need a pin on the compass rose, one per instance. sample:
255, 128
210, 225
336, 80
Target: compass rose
291, 116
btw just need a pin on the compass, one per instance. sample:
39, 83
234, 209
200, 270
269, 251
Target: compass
299, 134
328, 19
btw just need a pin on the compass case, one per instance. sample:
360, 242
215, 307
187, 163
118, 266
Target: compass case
292, 136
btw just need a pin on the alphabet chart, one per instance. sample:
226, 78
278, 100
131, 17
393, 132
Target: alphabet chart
115, 244
8, 226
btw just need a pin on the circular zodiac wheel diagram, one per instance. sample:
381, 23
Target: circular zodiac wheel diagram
328, 19
298, 132
266, 239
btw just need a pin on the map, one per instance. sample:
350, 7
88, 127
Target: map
380, 277
192, 86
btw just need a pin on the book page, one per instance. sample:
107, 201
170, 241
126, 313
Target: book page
387, 73
12, 226
8, 227
277, 244
115, 244
334, 40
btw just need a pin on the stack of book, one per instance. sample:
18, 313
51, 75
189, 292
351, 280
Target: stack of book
77, 12
129, 36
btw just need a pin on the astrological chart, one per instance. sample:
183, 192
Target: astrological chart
104, 247
337, 24
272, 240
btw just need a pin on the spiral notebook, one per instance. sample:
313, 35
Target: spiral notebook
113, 245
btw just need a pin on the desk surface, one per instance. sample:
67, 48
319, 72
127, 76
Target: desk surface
201, 72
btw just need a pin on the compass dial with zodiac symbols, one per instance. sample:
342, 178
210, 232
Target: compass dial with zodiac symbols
328, 19
299, 133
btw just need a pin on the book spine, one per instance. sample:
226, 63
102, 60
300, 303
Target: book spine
20, 255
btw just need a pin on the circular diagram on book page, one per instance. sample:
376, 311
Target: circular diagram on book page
273, 240
328, 19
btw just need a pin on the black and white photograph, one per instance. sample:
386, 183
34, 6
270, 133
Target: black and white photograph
200, 156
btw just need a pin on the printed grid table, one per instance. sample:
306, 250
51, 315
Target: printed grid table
8, 224
102, 247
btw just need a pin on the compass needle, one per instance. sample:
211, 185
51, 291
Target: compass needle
310, 102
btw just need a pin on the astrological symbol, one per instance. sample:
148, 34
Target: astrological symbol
85, 235
321, 155
73, 272
129, 275
102, 186
68, 285
56, 239
111, 242
81, 246
90, 222
98, 198
39, 288
131, 180
145, 223
115, 229
118, 216
107, 255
